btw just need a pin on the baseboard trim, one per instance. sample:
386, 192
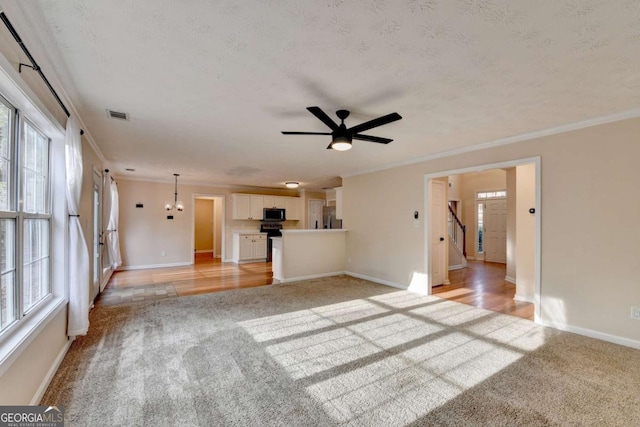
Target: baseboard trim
143, 267
37, 397
204, 251
376, 280
470, 258
523, 298
510, 279
615, 339
313, 276
456, 267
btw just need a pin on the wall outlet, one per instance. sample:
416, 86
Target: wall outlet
163, 253
635, 313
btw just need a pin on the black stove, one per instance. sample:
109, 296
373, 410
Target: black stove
273, 230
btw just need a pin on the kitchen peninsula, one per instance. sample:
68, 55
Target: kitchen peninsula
307, 254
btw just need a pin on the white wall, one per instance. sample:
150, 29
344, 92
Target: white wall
582, 253
307, 253
525, 232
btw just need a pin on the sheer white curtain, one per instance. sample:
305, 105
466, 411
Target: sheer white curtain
79, 280
106, 212
113, 241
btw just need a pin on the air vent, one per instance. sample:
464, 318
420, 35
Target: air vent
117, 115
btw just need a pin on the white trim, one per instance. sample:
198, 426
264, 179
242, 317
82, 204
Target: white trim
37, 397
627, 342
228, 260
17, 341
507, 164
376, 280
511, 280
595, 121
523, 298
470, 258
456, 267
144, 267
313, 276
204, 251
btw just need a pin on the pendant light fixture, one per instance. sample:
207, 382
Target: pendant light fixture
177, 205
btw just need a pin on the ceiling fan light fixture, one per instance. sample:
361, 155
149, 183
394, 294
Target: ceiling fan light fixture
292, 184
341, 143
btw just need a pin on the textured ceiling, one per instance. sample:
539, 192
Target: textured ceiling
209, 85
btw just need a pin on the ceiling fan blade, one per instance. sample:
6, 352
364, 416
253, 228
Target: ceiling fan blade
375, 123
372, 138
306, 133
316, 111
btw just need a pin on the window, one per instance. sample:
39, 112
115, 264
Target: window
25, 216
492, 194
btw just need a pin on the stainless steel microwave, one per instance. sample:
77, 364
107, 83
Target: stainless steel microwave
273, 214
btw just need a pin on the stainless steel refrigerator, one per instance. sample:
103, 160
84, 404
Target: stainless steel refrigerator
329, 218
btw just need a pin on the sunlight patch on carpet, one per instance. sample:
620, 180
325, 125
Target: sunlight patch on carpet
398, 353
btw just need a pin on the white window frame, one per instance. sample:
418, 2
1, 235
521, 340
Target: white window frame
15, 339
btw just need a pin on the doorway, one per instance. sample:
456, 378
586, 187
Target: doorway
207, 234
528, 205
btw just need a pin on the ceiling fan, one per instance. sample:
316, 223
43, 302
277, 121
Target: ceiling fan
341, 137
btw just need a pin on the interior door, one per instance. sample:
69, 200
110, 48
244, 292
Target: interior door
314, 218
495, 230
438, 231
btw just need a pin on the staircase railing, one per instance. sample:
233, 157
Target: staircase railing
457, 232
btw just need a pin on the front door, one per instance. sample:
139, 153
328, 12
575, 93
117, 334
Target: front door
495, 230
438, 230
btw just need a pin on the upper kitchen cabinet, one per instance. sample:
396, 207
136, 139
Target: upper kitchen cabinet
275, 202
250, 206
247, 206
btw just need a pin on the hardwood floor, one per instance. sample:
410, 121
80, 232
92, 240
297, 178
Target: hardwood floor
208, 274
482, 284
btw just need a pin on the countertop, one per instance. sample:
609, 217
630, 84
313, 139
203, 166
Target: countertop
313, 230
247, 232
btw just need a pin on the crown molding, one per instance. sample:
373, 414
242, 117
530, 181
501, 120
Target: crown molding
616, 117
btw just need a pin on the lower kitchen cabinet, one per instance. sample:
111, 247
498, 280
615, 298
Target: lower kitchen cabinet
249, 247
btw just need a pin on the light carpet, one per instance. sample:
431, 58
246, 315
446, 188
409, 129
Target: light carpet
337, 351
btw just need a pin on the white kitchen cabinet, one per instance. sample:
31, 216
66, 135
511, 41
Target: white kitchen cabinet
247, 206
250, 206
292, 208
257, 204
249, 247
275, 202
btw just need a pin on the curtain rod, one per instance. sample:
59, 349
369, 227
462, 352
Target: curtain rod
34, 65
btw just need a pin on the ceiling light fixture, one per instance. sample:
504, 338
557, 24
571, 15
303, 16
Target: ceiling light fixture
177, 205
341, 143
291, 184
